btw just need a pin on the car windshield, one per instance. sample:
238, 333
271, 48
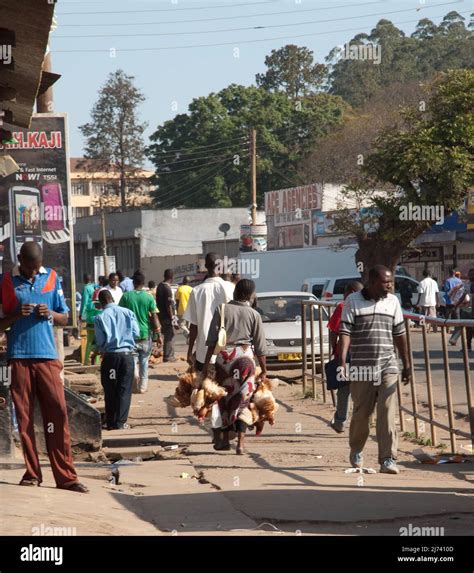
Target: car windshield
283, 309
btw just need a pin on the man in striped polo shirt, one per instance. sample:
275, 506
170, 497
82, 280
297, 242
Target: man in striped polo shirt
372, 324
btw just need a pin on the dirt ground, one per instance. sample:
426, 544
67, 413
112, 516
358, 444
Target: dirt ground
292, 481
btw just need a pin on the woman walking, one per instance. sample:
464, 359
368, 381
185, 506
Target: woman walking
235, 364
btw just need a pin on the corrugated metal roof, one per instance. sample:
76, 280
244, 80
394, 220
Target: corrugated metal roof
31, 22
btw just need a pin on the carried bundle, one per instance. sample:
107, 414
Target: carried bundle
263, 406
182, 394
203, 398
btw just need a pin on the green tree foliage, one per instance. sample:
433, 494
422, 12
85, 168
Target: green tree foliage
426, 162
291, 69
114, 134
202, 157
428, 50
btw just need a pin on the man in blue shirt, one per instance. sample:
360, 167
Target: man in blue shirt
32, 302
126, 283
451, 282
115, 332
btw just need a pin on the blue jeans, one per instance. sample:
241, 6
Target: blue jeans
342, 404
142, 355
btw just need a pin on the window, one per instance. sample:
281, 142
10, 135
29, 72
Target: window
79, 189
318, 289
340, 284
80, 212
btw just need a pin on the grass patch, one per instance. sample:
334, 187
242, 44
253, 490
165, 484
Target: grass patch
421, 441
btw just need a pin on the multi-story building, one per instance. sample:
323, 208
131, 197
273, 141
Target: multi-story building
91, 181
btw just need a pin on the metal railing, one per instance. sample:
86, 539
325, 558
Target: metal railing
418, 388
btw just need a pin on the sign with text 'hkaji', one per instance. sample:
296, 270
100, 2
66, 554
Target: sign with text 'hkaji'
35, 200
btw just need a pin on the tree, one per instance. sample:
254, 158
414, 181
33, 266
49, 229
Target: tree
339, 155
114, 135
426, 162
291, 69
202, 158
419, 57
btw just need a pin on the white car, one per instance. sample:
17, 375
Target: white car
281, 316
332, 288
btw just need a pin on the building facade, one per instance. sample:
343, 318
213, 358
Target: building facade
154, 240
91, 181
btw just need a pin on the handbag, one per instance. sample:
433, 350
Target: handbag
222, 334
333, 380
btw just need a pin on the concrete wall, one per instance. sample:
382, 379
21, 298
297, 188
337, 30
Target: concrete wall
154, 267
181, 231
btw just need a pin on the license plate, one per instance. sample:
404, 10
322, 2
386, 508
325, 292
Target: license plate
288, 356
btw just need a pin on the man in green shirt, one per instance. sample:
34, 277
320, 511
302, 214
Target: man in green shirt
143, 305
85, 315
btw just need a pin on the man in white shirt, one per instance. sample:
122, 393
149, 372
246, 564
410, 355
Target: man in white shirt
204, 300
229, 285
113, 287
428, 297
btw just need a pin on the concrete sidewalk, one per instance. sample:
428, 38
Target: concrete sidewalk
292, 481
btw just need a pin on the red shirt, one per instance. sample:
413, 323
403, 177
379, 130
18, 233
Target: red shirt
335, 323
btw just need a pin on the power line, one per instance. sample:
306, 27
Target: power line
306, 23
167, 9
184, 149
237, 42
193, 167
217, 18
172, 163
190, 191
163, 155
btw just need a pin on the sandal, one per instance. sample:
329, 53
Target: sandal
30, 482
79, 487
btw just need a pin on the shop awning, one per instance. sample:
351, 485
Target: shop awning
30, 21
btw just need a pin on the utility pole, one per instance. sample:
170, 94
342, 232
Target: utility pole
104, 238
253, 173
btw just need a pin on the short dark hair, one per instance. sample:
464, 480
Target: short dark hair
120, 275
31, 251
111, 275
102, 280
211, 261
353, 286
105, 297
427, 272
87, 278
186, 280
138, 279
169, 274
151, 284
244, 290
376, 271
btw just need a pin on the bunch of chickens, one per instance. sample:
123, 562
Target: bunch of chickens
201, 394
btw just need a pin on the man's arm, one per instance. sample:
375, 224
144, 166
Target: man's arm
193, 331
100, 336
402, 347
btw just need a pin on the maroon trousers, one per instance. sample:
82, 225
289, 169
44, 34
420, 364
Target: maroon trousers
42, 378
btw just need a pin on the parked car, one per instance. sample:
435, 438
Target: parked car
281, 316
332, 288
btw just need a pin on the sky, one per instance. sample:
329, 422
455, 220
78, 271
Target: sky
95, 38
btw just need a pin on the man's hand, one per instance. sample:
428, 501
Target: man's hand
25, 310
406, 375
43, 310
